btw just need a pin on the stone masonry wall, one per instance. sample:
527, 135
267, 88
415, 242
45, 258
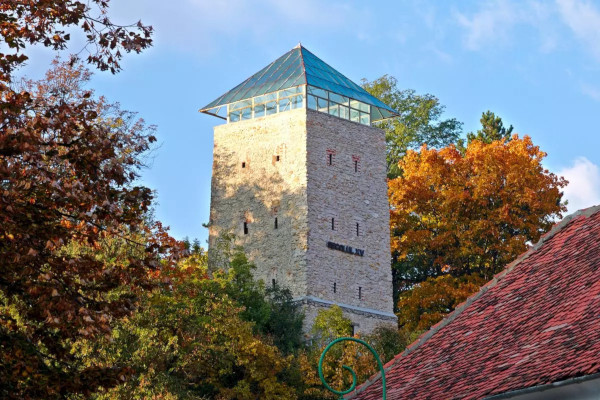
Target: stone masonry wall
352, 190
364, 322
278, 167
270, 184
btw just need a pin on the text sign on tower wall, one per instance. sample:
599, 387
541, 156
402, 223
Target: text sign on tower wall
346, 249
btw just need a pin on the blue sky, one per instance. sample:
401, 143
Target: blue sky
534, 63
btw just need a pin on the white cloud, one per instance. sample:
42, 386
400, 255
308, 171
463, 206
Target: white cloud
583, 189
590, 91
494, 23
584, 20
203, 25
490, 25
539, 15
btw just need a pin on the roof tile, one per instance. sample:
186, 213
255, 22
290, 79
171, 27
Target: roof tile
535, 323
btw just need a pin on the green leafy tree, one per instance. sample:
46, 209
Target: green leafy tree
284, 325
271, 310
331, 324
388, 341
420, 121
189, 341
241, 286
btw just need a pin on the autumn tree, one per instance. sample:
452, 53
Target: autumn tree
189, 341
68, 163
426, 303
471, 213
420, 121
46, 22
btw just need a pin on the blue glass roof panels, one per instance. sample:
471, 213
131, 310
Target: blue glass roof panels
298, 67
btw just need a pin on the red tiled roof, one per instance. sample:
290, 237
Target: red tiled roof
535, 323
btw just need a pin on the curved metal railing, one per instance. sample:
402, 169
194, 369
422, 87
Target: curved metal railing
347, 368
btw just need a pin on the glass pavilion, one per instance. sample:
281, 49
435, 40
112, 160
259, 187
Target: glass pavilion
299, 79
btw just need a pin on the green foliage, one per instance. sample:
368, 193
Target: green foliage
272, 310
331, 324
192, 247
187, 244
387, 341
284, 326
242, 288
492, 128
188, 341
420, 121
196, 247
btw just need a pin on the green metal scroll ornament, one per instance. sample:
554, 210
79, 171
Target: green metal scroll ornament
347, 368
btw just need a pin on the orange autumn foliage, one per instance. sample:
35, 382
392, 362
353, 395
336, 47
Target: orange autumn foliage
459, 216
426, 304
472, 212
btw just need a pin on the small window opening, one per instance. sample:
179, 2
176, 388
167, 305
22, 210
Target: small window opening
333, 224
330, 159
355, 166
276, 226
276, 158
360, 293
245, 228
243, 164
334, 287
273, 282
353, 330
357, 229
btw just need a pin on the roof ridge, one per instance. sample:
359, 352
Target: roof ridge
300, 47
423, 338
333, 69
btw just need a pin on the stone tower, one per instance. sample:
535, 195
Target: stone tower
299, 179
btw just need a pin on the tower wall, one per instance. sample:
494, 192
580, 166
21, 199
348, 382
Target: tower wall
286, 175
261, 190
347, 183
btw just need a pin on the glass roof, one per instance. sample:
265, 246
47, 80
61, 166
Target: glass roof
298, 67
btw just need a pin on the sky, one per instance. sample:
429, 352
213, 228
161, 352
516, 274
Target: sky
536, 64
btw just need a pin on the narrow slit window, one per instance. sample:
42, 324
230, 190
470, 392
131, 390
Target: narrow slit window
333, 224
276, 225
245, 228
276, 158
273, 282
360, 293
334, 287
330, 159
355, 165
353, 330
243, 164
357, 229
